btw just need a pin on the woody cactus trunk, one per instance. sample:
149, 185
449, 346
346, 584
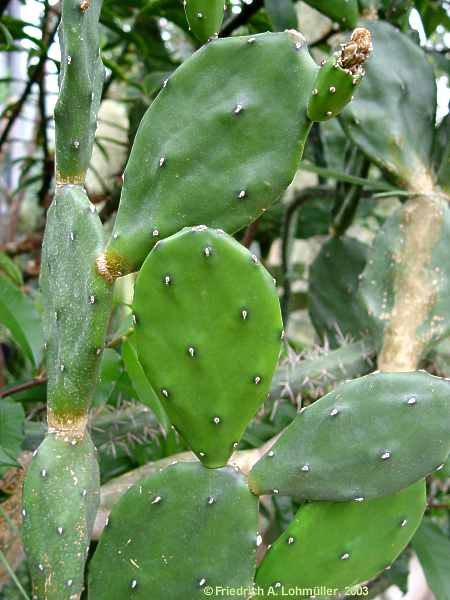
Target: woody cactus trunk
218, 146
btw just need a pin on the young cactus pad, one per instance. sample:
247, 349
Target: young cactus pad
208, 333
204, 17
338, 545
77, 304
405, 286
60, 501
80, 81
369, 437
390, 88
219, 145
338, 77
175, 533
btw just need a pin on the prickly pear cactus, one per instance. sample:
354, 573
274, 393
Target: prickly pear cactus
204, 17
339, 76
200, 532
60, 500
208, 333
390, 88
217, 107
399, 432
330, 547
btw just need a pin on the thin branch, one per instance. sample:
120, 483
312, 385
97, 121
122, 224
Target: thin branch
250, 234
21, 387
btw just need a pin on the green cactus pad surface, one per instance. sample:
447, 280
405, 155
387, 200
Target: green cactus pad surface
204, 17
333, 286
176, 534
407, 280
220, 143
80, 81
390, 88
208, 333
77, 301
60, 501
344, 12
338, 545
333, 90
368, 438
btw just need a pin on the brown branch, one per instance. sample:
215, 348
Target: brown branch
250, 234
21, 387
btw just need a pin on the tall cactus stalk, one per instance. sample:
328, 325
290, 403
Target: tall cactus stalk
61, 490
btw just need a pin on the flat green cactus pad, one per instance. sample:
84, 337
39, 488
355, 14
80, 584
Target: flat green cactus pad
208, 333
333, 90
220, 143
80, 82
338, 545
333, 286
177, 533
204, 17
407, 280
77, 301
369, 437
391, 112
60, 500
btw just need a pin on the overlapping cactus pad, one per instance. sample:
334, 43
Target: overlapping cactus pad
215, 147
204, 17
369, 437
391, 112
175, 533
208, 332
77, 301
60, 500
337, 545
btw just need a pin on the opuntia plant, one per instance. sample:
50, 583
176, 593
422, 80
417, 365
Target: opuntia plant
279, 474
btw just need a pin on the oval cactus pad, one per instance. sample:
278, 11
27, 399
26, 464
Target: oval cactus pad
208, 332
176, 535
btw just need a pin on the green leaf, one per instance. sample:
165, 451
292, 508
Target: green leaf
18, 314
12, 419
141, 384
432, 547
9, 268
